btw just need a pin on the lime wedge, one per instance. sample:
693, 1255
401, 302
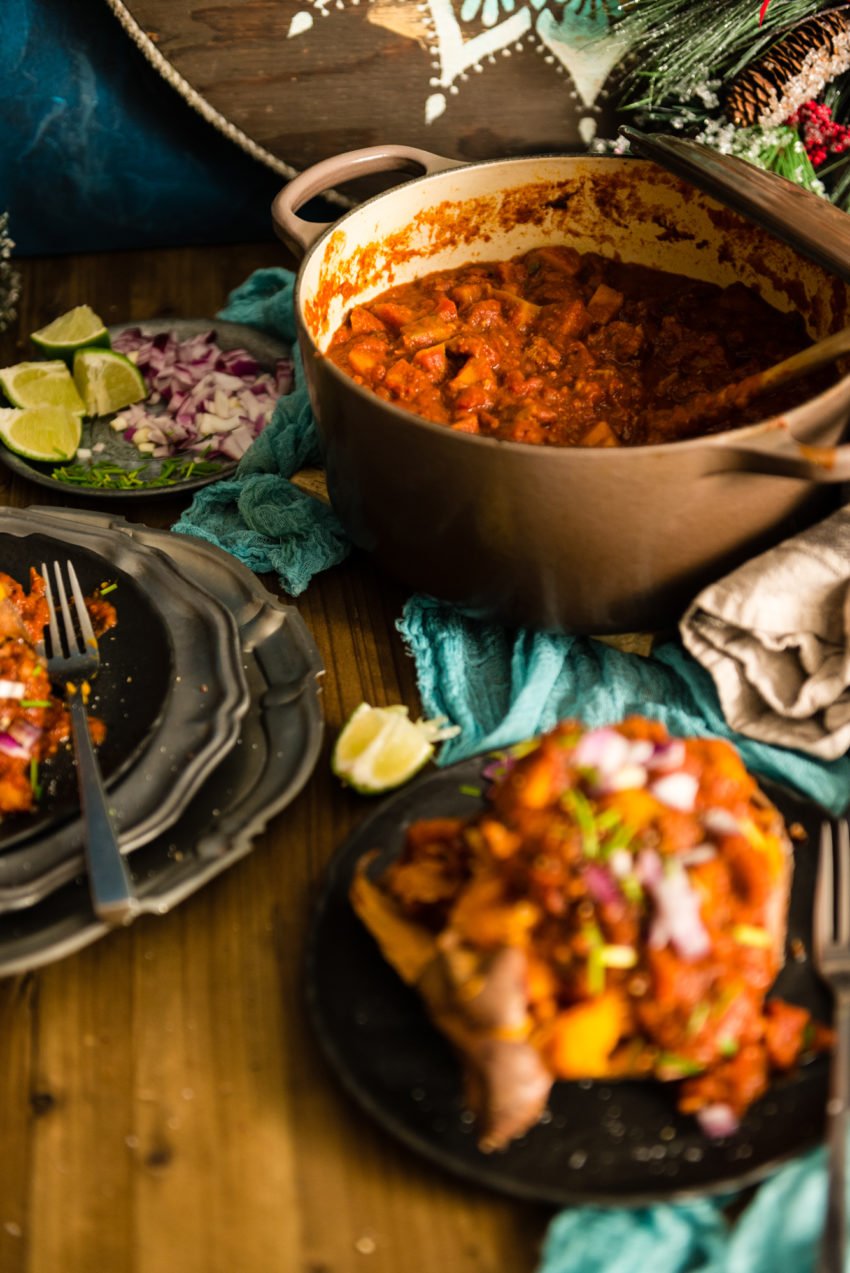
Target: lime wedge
107, 381
81, 326
41, 433
380, 747
41, 384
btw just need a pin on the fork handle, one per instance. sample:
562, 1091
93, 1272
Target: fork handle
109, 880
832, 1254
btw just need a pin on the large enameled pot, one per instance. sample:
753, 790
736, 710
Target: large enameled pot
576, 539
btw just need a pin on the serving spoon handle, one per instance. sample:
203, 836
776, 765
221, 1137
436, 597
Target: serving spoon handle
709, 404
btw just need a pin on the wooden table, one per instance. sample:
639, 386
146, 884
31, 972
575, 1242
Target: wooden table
163, 1104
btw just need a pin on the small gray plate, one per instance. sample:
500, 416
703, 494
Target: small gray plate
276, 752
266, 349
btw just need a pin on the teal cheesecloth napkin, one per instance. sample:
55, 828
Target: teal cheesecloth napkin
501, 686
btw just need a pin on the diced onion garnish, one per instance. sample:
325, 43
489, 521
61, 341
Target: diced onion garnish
721, 822
677, 920
601, 884
10, 746
718, 1121
201, 399
678, 790
25, 733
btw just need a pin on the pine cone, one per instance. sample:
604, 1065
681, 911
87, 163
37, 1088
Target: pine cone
793, 70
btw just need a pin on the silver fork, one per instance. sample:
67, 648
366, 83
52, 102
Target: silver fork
831, 933
73, 666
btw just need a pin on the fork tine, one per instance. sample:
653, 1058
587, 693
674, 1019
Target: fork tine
52, 623
85, 621
843, 886
71, 638
823, 916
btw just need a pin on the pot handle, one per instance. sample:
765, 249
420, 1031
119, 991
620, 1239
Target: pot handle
298, 234
777, 453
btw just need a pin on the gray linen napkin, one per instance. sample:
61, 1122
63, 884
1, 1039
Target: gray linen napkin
775, 636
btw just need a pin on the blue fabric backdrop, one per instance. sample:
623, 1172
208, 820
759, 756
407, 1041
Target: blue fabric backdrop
98, 152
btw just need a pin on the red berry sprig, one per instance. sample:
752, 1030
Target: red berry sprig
819, 132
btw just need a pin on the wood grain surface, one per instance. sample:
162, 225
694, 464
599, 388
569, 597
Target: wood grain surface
306, 79
163, 1106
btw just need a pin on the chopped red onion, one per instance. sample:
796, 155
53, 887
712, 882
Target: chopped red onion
718, 1120
213, 401
677, 921
721, 822
601, 884
667, 756
25, 733
12, 689
9, 746
498, 768
649, 868
697, 855
678, 790
613, 761
604, 750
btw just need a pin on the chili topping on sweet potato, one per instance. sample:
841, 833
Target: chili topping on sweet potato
617, 910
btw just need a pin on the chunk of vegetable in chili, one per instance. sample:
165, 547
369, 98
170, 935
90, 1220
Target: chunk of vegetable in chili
558, 349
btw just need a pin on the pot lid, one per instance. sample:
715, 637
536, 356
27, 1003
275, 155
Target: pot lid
813, 225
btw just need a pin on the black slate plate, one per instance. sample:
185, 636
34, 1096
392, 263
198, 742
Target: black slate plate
600, 1143
274, 755
129, 692
266, 349
200, 716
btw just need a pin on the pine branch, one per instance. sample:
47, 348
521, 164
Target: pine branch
680, 45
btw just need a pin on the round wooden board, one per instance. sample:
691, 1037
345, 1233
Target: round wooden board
295, 81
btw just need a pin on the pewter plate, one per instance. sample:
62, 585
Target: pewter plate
599, 1142
266, 349
198, 720
279, 740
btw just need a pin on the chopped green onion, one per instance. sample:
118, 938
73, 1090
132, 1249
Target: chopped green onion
622, 837
577, 803
104, 475
34, 783
674, 1066
698, 1018
35, 702
524, 748
107, 588
595, 964
469, 791
728, 1048
631, 889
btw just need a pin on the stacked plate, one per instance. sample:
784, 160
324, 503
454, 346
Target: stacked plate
209, 692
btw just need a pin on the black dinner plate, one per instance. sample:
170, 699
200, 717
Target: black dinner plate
600, 1142
199, 717
128, 694
266, 349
